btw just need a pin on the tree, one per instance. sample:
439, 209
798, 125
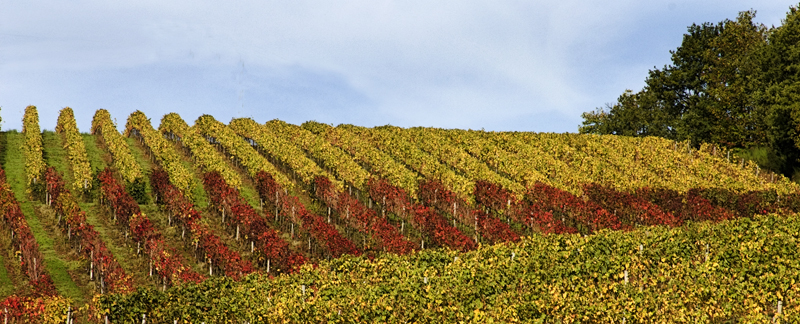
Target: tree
632, 115
731, 76
779, 99
703, 96
734, 83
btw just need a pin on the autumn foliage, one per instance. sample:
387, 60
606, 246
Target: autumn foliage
271, 248
170, 266
207, 243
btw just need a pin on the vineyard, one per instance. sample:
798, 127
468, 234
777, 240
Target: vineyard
253, 222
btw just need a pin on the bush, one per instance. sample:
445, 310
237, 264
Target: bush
138, 190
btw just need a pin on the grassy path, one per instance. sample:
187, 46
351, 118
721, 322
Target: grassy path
57, 266
55, 156
94, 153
144, 163
123, 250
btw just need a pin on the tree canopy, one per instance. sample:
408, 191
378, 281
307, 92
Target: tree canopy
735, 83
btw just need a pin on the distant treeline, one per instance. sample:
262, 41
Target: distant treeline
735, 83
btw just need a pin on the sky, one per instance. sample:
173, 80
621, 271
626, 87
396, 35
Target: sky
494, 65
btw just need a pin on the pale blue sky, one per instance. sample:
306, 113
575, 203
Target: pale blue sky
497, 65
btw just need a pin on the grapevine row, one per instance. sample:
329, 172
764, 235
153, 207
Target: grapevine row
24, 309
22, 240
211, 160
76, 150
121, 153
487, 226
432, 147
331, 157
366, 220
167, 263
83, 238
553, 210
377, 162
273, 252
630, 163
341, 163
321, 230
272, 139
139, 126
387, 138
45, 306
232, 143
498, 230
280, 148
184, 213
551, 162
702, 272
239, 149
272, 142
499, 159
438, 145
34, 163
427, 220
433, 224
354, 213
611, 161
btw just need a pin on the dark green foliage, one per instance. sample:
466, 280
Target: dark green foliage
780, 96
138, 190
764, 156
734, 84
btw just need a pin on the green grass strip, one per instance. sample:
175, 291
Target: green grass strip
250, 195
117, 251
144, 164
132, 264
199, 196
55, 156
94, 153
56, 267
